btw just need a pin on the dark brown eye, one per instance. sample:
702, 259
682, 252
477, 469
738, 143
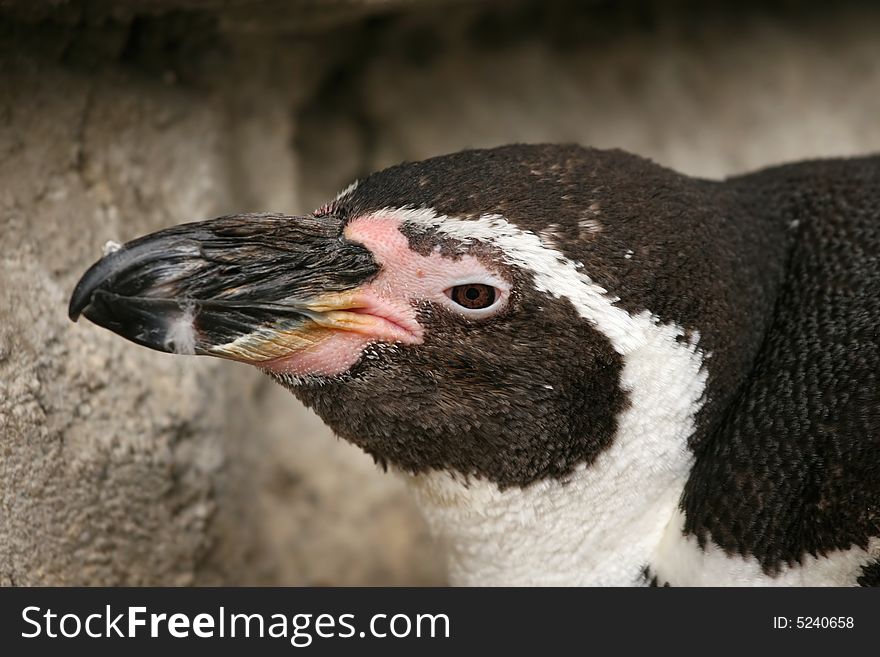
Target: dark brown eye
473, 296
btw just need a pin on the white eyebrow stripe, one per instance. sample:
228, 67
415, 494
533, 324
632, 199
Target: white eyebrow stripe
553, 272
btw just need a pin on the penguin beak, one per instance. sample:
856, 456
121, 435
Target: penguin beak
251, 287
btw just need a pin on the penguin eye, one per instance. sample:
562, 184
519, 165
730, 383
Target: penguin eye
473, 296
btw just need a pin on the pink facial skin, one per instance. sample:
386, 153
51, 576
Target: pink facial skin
406, 277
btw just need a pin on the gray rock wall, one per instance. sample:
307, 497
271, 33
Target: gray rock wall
123, 466
120, 465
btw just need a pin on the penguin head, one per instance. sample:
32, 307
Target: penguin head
496, 377
451, 314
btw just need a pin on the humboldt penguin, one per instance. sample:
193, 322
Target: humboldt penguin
592, 370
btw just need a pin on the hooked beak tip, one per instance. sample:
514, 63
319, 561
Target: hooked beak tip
78, 303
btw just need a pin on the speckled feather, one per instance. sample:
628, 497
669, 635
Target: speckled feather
793, 468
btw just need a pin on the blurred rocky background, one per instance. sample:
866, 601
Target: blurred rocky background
120, 465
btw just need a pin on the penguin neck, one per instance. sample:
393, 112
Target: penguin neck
602, 525
548, 534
